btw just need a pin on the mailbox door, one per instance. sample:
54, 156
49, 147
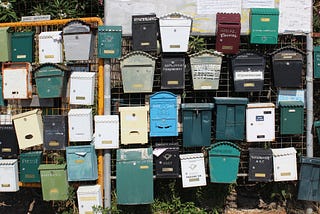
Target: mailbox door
10, 182
29, 164
22, 47
228, 38
172, 73
260, 165
109, 41
9, 147
80, 125
316, 63
55, 132
106, 131
167, 163
50, 47
292, 117
82, 86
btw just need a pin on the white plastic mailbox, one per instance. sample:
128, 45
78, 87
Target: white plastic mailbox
80, 124
82, 85
89, 196
50, 47
106, 131
284, 164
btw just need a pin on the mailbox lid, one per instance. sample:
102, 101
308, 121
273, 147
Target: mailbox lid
76, 27
228, 18
22, 47
230, 101
56, 133
109, 41
29, 164
9, 147
260, 164
134, 154
285, 164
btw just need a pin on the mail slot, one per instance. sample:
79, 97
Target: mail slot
175, 31
285, 164
172, 72
29, 164
5, 44
9, 147
167, 161
82, 88
50, 47
137, 71
109, 41
9, 182
163, 114
260, 165
291, 117
80, 124
144, 32
89, 196
55, 132
248, 71
228, 32
106, 131
22, 45
205, 69
316, 61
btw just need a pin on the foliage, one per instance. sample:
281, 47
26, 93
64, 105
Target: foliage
7, 12
68, 206
196, 44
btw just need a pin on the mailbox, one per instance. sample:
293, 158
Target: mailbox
55, 132
22, 44
137, 71
292, 117
196, 120
82, 88
205, 69
17, 80
5, 44
134, 125
81, 163
1, 92
134, 176
193, 170
230, 117
106, 131
51, 80
228, 32
260, 165
9, 182
284, 164
316, 125
316, 61
175, 31
9, 147
109, 41
50, 47
172, 72
167, 161
264, 23
80, 124
88, 197
287, 66
248, 71
78, 40
260, 122
144, 32
29, 128
163, 114
29, 164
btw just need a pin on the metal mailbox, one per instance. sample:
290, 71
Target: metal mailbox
260, 165
144, 32
106, 131
228, 32
50, 47
248, 71
137, 72
82, 88
193, 170
230, 117
5, 44
167, 162
16, 80
174, 32
80, 124
287, 66
163, 114
51, 80
264, 23
316, 125
22, 44
54, 183
260, 122
78, 40
285, 164
291, 117
205, 69
1, 92
196, 120
56, 133
29, 128
109, 41
316, 61
88, 197
29, 164
9, 182
172, 72
134, 176
9, 147
82, 163
134, 125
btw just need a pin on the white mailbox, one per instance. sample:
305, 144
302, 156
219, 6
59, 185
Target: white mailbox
175, 31
284, 164
50, 47
260, 122
82, 85
89, 196
17, 80
80, 124
193, 170
9, 179
106, 131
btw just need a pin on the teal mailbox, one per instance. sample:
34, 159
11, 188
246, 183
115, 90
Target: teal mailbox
29, 164
109, 41
316, 61
22, 44
316, 125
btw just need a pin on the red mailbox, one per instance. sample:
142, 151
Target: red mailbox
228, 32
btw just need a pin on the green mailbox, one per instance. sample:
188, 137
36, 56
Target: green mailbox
134, 176
1, 96
224, 158
22, 44
292, 117
316, 125
316, 61
54, 181
230, 117
196, 124
264, 24
109, 41
29, 164
5, 44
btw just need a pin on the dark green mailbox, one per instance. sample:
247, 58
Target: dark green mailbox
224, 158
316, 61
109, 41
22, 44
292, 117
196, 124
230, 117
29, 164
316, 125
